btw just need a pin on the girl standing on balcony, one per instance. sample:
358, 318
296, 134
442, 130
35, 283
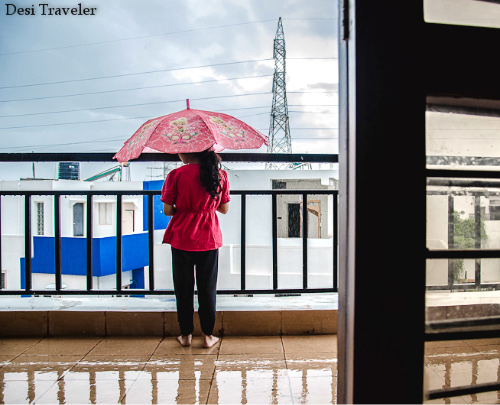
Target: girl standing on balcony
191, 195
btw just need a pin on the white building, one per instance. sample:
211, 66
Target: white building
259, 256
462, 141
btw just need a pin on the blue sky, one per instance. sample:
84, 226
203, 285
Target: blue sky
86, 83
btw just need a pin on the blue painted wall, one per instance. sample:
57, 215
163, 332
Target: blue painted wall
135, 255
160, 221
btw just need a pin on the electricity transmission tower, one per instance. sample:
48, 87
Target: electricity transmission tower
279, 127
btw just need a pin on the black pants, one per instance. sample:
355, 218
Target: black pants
207, 264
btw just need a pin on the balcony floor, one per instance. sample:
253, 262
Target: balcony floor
144, 370
267, 369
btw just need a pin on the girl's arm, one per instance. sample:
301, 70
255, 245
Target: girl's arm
169, 210
223, 208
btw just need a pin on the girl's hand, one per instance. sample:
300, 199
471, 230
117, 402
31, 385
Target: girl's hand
223, 208
169, 210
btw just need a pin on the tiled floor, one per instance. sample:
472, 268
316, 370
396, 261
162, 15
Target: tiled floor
246, 370
463, 363
253, 370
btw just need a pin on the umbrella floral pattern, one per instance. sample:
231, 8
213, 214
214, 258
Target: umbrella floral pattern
181, 132
191, 130
227, 130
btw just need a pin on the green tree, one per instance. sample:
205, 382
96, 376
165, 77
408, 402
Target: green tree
465, 238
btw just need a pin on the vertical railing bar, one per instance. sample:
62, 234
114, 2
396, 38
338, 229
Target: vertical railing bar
335, 241
304, 241
28, 287
275, 241
118, 242
477, 238
243, 241
151, 241
27, 242
57, 241
451, 239
1, 276
90, 236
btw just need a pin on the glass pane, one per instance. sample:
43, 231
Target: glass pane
320, 241
485, 13
459, 139
463, 217
462, 214
462, 275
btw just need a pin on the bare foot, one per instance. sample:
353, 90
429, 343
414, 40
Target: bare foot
185, 340
209, 341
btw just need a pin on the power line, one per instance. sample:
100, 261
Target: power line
125, 118
155, 35
114, 139
151, 103
130, 105
161, 102
133, 38
148, 72
134, 88
122, 139
133, 74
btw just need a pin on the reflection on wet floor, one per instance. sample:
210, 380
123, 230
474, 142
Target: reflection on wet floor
463, 363
287, 369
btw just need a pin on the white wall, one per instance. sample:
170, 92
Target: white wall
258, 234
13, 207
259, 265
42, 281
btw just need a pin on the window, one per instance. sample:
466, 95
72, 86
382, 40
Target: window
128, 219
463, 190
294, 220
105, 213
39, 219
495, 213
78, 219
279, 185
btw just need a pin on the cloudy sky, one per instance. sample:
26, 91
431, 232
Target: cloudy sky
86, 83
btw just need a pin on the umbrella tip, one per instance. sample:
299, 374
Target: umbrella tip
187, 103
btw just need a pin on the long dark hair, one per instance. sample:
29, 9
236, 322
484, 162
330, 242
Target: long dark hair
210, 172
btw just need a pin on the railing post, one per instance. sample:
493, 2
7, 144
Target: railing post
1, 274
90, 236
477, 237
335, 242
243, 241
57, 241
119, 242
275, 241
27, 277
304, 241
27, 242
451, 239
151, 240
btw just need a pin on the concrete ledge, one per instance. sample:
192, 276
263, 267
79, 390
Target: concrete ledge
109, 323
462, 311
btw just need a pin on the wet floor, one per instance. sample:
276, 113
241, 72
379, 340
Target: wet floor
463, 363
246, 370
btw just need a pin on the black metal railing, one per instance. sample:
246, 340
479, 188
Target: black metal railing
150, 194
460, 329
464, 180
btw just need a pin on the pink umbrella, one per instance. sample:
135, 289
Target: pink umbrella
191, 130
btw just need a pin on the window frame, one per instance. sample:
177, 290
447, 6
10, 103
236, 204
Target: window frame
390, 62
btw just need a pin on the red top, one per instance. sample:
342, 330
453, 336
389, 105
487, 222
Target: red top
195, 225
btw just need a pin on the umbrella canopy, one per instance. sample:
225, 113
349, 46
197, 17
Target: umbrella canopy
188, 131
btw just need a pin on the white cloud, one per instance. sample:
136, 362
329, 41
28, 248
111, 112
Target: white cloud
127, 36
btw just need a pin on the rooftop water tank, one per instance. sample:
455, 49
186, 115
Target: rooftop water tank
69, 171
